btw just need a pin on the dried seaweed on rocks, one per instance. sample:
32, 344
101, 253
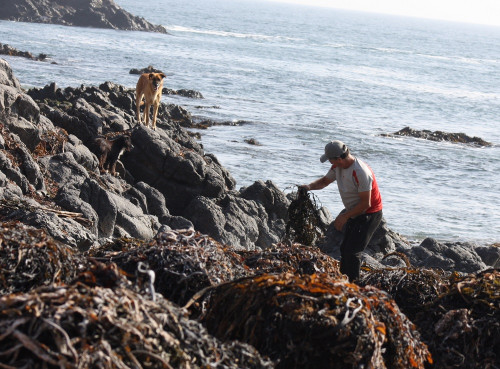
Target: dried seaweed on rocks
313, 321
183, 262
30, 258
292, 258
11, 208
51, 143
85, 326
410, 288
462, 325
303, 220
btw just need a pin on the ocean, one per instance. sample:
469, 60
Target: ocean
293, 78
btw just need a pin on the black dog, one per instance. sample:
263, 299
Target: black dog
109, 151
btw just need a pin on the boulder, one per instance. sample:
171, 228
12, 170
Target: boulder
179, 173
62, 226
13, 173
28, 166
448, 256
490, 255
233, 220
7, 77
63, 169
383, 242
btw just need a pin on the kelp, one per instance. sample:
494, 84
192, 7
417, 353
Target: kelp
313, 321
462, 325
291, 258
30, 258
182, 262
303, 224
185, 262
410, 288
51, 143
86, 326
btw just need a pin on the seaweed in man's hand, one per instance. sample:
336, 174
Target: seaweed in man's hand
303, 219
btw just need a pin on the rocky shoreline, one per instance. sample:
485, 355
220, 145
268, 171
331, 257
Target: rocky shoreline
82, 13
168, 195
166, 180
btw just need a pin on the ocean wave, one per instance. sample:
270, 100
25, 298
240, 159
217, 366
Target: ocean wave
402, 80
255, 36
453, 58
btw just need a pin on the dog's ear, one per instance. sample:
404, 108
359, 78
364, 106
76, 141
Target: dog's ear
162, 75
151, 75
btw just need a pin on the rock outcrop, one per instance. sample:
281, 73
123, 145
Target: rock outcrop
82, 13
439, 136
49, 178
48, 136
11, 51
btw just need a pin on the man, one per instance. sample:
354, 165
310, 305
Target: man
362, 201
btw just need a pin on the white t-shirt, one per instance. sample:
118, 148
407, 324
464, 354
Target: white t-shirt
357, 178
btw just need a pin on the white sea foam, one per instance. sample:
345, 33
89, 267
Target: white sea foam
221, 33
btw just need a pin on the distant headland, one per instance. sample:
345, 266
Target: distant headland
82, 13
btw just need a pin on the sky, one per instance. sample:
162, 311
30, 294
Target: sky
468, 11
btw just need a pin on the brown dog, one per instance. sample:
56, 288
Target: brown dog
149, 86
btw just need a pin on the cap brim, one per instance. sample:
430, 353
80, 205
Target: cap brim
323, 158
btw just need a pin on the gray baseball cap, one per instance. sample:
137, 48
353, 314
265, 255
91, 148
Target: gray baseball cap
333, 150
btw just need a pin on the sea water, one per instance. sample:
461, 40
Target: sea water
295, 77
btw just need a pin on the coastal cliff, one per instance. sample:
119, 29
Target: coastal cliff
82, 13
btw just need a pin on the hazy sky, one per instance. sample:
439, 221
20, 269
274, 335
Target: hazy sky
470, 11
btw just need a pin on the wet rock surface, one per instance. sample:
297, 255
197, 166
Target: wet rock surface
439, 136
11, 51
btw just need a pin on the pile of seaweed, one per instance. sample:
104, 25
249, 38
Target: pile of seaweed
314, 322
30, 258
183, 300
458, 316
86, 325
462, 325
292, 258
184, 262
410, 288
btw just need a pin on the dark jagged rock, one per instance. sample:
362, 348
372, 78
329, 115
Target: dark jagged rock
148, 69
192, 94
430, 254
9, 50
83, 13
448, 256
252, 141
440, 136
